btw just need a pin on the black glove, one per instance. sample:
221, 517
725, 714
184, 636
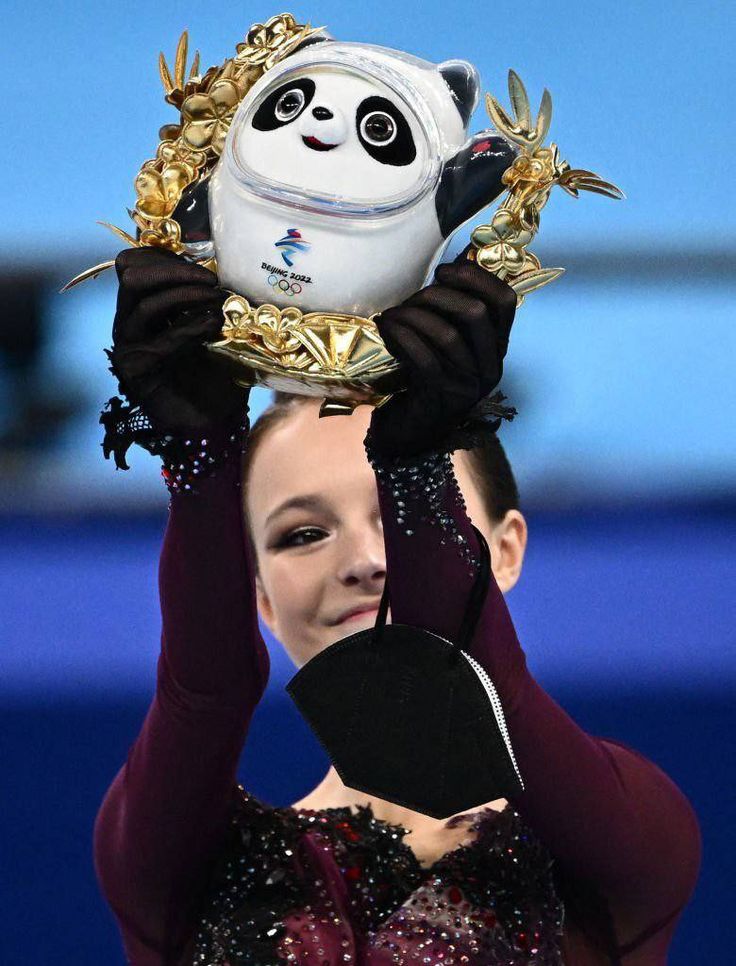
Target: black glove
167, 309
451, 338
182, 405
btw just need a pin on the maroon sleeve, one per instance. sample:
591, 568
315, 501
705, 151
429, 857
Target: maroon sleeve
160, 823
610, 817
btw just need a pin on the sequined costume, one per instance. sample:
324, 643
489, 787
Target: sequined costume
592, 864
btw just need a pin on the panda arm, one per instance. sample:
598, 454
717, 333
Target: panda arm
611, 818
158, 829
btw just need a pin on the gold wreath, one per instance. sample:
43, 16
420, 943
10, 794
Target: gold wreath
501, 246
328, 353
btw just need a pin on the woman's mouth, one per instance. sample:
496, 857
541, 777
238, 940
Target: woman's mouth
316, 144
372, 611
362, 613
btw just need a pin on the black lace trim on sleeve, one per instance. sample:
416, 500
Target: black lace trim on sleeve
482, 421
185, 461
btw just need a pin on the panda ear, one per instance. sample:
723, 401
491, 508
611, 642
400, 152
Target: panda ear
471, 179
464, 83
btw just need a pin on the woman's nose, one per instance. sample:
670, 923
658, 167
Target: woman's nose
363, 559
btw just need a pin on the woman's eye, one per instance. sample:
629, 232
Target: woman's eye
294, 539
378, 127
289, 104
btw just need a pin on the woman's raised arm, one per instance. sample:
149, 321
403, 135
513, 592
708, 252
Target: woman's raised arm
159, 826
162, 818
614, 821
621, 831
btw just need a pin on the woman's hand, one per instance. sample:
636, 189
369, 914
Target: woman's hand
451, 338
167, 309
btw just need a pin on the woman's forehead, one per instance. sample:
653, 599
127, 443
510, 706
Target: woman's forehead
306, 453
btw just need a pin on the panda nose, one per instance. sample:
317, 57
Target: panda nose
322, 113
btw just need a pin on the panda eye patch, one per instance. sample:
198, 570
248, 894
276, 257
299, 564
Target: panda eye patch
384, 132
284, 105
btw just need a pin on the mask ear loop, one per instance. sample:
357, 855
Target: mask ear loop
380, 624
476, 600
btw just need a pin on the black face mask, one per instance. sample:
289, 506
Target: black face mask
409, 716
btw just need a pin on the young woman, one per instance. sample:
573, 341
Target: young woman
592, 863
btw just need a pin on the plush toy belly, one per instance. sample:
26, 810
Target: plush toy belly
289, 256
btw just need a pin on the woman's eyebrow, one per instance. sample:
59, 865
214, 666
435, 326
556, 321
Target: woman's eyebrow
309, 501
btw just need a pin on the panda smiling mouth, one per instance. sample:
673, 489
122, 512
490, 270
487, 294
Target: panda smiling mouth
316, 144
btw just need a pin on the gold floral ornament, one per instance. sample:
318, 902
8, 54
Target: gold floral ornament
500, 247
273, 328
207, 117
189, 150
268, 43
159, 191
340, 357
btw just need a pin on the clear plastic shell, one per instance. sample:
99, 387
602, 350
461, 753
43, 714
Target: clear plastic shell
277, 175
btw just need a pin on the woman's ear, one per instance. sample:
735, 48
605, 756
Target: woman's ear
265, 609
508, 546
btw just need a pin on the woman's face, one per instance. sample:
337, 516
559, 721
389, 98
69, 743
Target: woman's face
324, 556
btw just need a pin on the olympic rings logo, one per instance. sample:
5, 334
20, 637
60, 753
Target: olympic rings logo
279, 284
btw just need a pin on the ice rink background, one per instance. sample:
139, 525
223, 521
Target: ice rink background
625, 446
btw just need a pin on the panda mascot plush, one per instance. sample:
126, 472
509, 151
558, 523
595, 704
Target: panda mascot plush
346, 169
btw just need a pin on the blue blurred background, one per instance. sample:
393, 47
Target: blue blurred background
625, 446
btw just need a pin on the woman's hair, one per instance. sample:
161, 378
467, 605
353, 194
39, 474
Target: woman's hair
489, 466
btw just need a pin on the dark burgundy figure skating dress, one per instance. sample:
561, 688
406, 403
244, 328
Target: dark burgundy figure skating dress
592, 864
